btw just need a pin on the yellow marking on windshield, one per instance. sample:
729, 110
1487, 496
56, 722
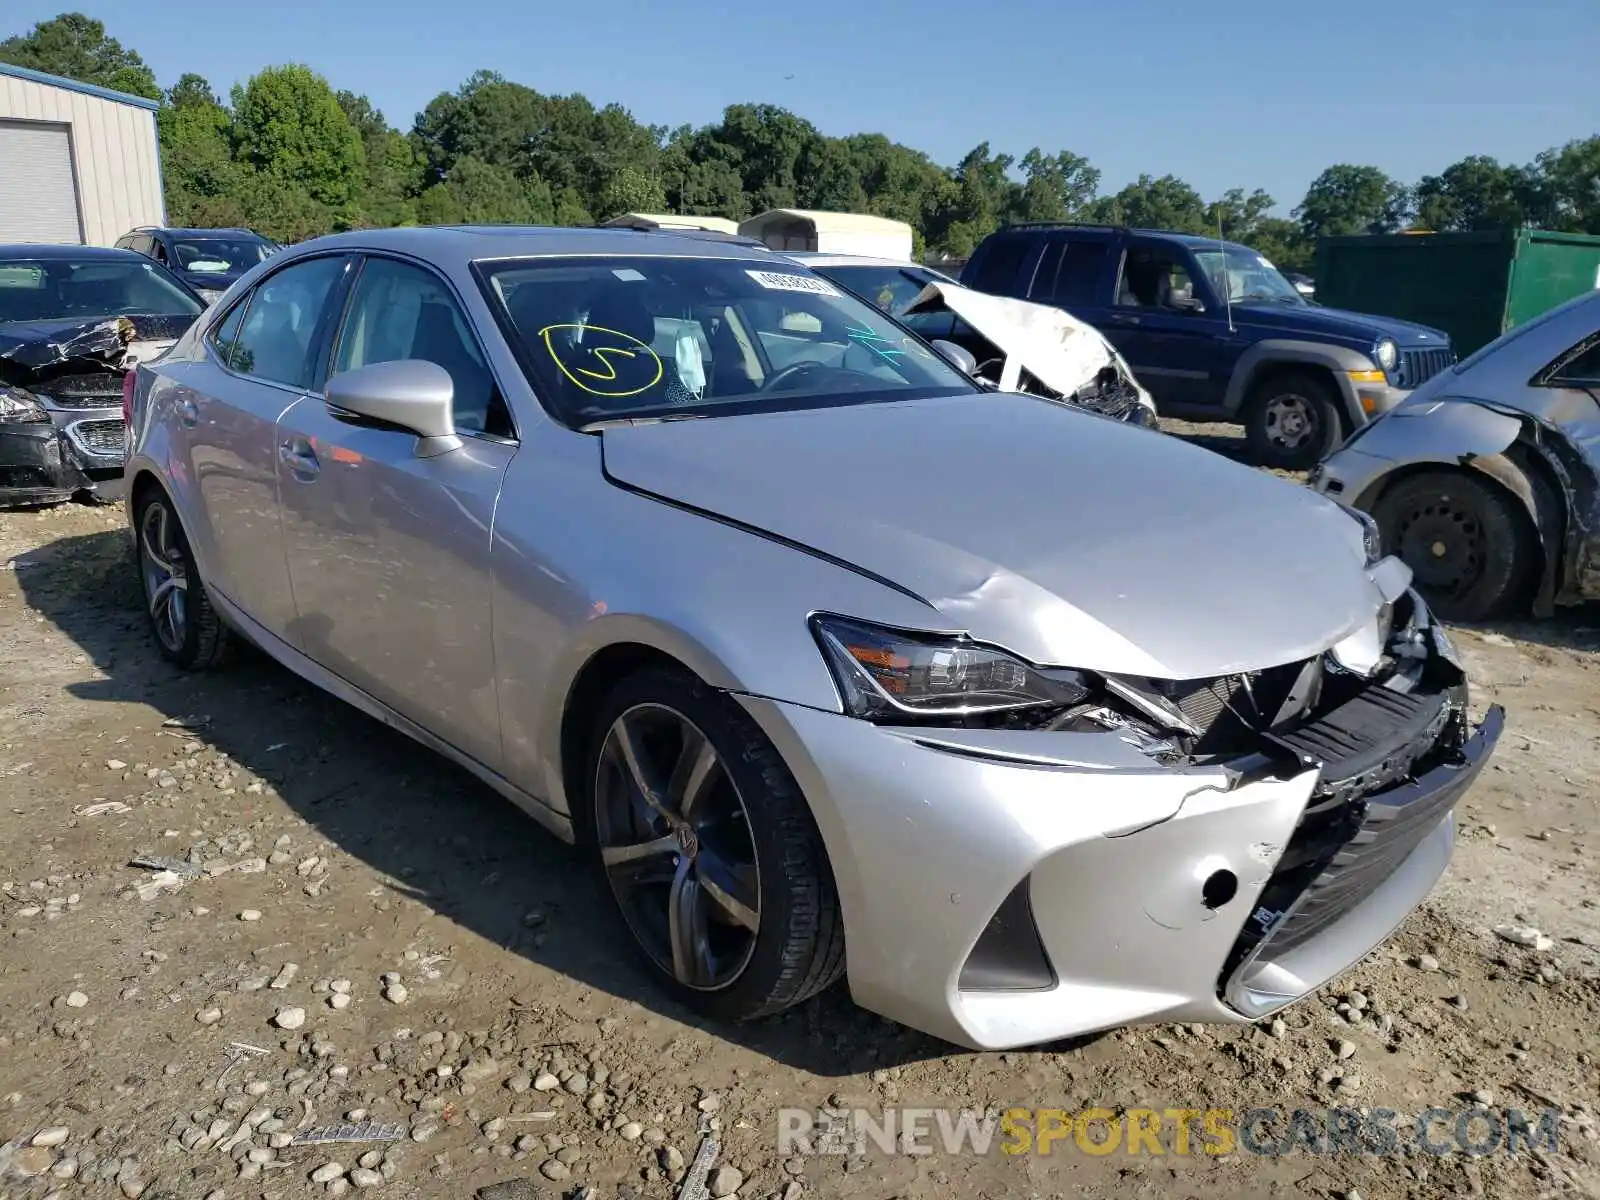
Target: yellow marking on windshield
632, 352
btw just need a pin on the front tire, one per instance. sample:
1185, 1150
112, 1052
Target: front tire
1292, 421
709, 850
187, 628
1471, 551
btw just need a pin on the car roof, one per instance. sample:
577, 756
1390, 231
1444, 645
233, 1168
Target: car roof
183, 231
56, 252
472, 243
1192, 240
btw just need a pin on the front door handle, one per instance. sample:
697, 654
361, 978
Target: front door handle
297, 454
1123, 319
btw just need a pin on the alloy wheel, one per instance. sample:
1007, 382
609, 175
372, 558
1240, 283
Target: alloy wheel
166, 581
676, 846
1290, 420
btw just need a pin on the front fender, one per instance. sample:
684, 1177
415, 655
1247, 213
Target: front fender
1336, 360
1452, 433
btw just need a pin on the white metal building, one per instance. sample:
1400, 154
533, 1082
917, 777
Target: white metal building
78, 163
834, 232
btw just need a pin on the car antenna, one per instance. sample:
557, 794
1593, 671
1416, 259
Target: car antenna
1227, 285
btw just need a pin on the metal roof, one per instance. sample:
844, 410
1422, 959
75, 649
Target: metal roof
669, 221
828, 222
72, 85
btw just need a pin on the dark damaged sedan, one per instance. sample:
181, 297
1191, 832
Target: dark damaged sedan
73, 319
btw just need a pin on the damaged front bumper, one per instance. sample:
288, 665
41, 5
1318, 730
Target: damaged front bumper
1010, 887
72, 451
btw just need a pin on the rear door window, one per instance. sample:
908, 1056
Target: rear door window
997, 269
1079, 272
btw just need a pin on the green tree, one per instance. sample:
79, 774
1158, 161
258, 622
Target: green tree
826, 177
1284, 244
480, 193
288, 125
978, 196
78, 47
1058, 186
1154, 203
1237, 216
202, 179
1476, 193
1566, 186
1348, 199
393, 175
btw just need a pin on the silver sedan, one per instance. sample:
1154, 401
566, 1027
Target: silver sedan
1030, 722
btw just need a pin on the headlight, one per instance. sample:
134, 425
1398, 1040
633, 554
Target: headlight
1387, 354
891, 673
18, 407
1371, 535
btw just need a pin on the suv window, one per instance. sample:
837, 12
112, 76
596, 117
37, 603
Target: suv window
277, 339
399, 311
1074, 275
996, 271
1154, 276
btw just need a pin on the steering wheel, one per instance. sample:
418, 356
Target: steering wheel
797, 370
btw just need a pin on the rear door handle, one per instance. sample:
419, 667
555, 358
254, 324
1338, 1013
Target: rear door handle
297, 455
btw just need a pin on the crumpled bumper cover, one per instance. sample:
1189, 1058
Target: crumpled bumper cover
1140, 880
37, 466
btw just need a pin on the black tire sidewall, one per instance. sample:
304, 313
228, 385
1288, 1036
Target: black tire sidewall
1508, 549
1324, 438
188, 655
770, 796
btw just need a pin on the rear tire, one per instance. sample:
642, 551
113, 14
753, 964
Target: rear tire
1292, 421
187, 628
1471, 549
740, 848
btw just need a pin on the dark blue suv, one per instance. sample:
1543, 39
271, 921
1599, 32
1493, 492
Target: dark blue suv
1214, 332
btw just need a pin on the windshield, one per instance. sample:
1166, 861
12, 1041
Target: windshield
890, 288
629, 337
83, 289
1245, 275
219, 256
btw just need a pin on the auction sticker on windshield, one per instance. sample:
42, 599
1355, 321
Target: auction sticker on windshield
777, 281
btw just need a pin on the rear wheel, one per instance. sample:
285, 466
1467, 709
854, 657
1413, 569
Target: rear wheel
1470, 548
709, 850
187, 629
1292, 421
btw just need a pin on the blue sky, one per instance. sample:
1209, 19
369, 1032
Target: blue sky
1232, 93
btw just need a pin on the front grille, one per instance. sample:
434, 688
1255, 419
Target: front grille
1391, 769
1229, 710
1416, 367
97, 390
101, 437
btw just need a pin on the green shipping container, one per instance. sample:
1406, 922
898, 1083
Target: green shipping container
1474, 286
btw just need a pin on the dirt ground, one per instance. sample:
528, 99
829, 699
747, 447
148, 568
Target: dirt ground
456, 975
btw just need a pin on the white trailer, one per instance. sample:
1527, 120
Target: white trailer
830, 232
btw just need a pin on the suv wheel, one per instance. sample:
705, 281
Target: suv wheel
1470, 548
1292, 421
709, 849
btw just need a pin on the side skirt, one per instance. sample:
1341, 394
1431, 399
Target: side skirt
286, 655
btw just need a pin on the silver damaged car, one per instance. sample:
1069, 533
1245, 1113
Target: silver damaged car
1028, 722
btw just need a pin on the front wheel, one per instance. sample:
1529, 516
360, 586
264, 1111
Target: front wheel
1292, 421
709, 850
1471, 550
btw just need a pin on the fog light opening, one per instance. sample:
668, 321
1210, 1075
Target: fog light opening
1219, 888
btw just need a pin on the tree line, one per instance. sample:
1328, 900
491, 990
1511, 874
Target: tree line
289, 155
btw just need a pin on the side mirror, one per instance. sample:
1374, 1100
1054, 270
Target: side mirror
408, 394
958, 357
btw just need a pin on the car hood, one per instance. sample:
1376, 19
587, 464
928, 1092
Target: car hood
1338, 322
1069, 539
